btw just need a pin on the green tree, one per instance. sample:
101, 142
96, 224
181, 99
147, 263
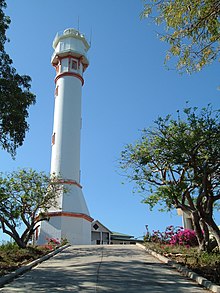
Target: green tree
25, 197
177, 164
190, 27
15, 95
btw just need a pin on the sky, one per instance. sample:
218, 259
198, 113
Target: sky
126, 88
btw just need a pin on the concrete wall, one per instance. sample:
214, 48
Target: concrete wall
76, 230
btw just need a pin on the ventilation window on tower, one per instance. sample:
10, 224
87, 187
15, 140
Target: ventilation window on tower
74, 65
95, 226
56, 91
53, 139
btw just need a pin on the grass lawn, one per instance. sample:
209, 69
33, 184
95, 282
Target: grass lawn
204, 264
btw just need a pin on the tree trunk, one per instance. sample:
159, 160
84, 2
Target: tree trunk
205, 231
198, 231
214, 230
12, 233
20, 243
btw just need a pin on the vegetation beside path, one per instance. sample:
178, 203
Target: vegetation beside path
204, 264
180, 245
13, 257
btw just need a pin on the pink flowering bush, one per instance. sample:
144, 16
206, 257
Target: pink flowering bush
172, 236
185, 237
52, 243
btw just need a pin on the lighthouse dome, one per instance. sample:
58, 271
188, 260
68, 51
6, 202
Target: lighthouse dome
70, 31
70, 42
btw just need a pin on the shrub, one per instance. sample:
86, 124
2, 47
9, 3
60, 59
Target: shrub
184, 237
8, 245
172, 236
52, 243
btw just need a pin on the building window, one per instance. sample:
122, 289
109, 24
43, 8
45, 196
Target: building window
53, 139
74, 64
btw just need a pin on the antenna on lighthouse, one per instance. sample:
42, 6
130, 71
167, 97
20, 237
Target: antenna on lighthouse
90, 39
78, 24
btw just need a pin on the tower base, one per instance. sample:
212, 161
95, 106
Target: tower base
75, 228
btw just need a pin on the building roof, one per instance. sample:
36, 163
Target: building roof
100, 224
117, 235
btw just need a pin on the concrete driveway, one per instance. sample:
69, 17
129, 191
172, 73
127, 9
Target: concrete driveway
112, 268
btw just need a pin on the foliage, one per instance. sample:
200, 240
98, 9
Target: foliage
64, 241
176, 164
12, 257
203, 263
52, 243
15, 95
160, 237
191, 28
8, 245
184, 237
172, 236
25, 197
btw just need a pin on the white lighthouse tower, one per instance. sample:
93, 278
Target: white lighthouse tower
70, 219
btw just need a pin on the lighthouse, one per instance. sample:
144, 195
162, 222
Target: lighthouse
70, 219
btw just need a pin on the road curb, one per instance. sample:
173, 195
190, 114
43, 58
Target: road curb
9, 277
184, 270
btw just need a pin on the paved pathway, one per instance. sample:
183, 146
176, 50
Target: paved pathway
112, 268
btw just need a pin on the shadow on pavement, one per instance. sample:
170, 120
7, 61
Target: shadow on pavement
102, 269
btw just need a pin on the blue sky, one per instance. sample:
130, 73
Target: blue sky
126, 88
